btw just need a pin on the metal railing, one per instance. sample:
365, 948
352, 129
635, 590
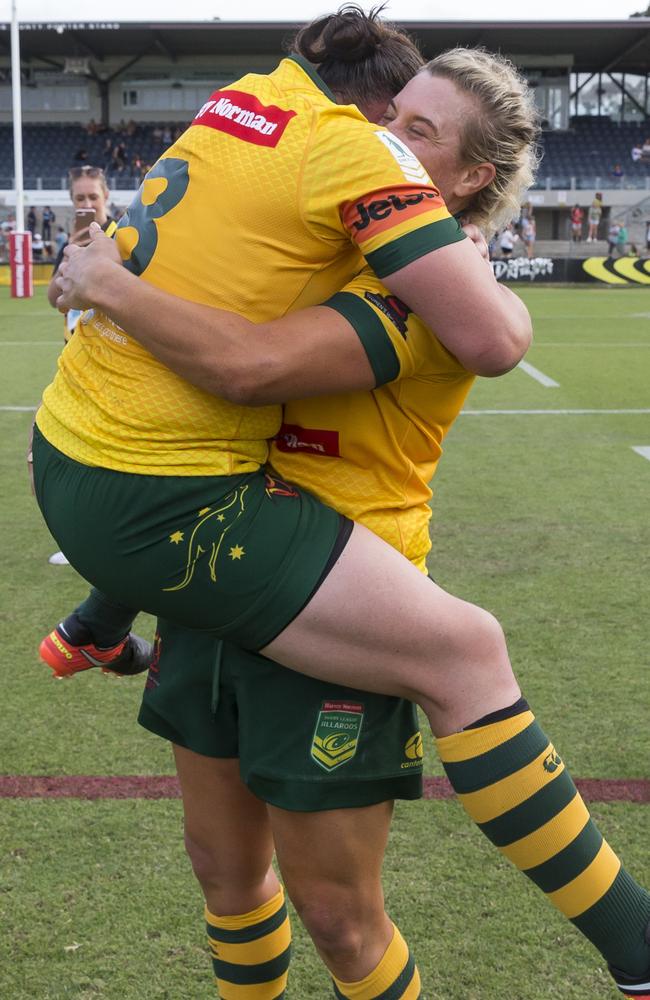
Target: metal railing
61, 181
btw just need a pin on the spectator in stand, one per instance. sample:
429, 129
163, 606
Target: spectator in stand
647, 236
178, 131
577, 217
594, 217
612, 238
167, 136
38, 248
60, 240
157, 134
48, 218
81, 155
621, 240
507, 241
529, 231
645, 150
618, 173
88, 189
31, 220
636, 153
91, 127
137, 167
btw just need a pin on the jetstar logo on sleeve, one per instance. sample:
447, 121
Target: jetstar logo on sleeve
243, 116
291, 437
380, 211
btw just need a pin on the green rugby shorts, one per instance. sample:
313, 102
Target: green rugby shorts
302, 744
240, 555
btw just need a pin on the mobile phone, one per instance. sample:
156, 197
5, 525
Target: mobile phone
83, 217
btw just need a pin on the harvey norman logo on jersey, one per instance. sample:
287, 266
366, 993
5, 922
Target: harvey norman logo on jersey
244, 117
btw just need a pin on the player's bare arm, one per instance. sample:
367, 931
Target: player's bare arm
313, 352
489, 330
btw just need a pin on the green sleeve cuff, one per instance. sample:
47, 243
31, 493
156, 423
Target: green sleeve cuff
372, 334
410, 247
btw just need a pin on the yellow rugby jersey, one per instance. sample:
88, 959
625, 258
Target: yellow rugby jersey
371, 455
263, 205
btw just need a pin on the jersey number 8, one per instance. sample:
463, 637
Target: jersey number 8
161, 190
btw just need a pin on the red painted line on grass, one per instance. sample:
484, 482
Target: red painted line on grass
163, 786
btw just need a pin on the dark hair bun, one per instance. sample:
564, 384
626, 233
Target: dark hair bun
347, 36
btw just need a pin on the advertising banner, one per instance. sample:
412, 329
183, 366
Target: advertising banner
569, 270
20, 262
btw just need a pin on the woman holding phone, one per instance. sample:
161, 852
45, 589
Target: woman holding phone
89, 195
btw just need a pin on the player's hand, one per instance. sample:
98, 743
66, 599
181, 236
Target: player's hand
478, 239
83, 269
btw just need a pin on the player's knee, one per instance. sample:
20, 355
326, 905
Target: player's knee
202, 859
488, 637
335, 925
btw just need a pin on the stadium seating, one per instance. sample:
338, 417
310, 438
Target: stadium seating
589, 150
586, 152
50, 150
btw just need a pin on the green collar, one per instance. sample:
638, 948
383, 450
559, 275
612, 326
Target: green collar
311, 72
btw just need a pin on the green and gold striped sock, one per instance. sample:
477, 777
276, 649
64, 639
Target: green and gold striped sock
514, 785
251, 951
395, 978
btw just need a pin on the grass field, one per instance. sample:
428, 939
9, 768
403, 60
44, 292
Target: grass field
541, 517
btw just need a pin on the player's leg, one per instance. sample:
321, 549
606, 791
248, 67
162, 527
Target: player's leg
329, 760
335, 886
189, 700
96, 634
228, 839
418, 641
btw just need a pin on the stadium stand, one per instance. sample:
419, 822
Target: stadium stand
75, 75
588, 152
49, 151
580, 158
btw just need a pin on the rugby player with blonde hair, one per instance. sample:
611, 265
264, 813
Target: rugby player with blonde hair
396, 633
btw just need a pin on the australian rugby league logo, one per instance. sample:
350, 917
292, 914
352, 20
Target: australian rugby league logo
244, 117
337, 733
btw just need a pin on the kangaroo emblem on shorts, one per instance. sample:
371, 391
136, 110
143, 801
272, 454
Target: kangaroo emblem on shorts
209, 533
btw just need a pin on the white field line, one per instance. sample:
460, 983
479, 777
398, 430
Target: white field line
463, 413
519, 413
643, 450
575, 343
545, 380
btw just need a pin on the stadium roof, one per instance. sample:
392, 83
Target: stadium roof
607, 46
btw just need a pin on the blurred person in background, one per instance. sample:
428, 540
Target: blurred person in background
48, 218
529, 231
612, 238
507, 241
577, 217
38, 247
594, 217
60, 240
88, 191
